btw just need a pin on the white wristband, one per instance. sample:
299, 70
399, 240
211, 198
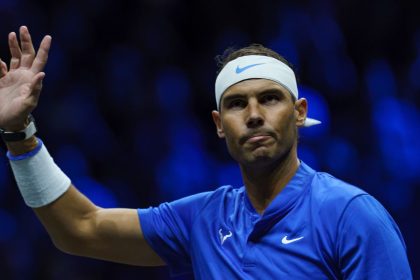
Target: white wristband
39, 179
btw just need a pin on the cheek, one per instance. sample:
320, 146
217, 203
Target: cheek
284, 124
231, 137
232, 132
231, 127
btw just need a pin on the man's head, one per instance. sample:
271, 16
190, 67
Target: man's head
259, 112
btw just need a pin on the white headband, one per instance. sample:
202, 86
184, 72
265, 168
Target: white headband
257, 67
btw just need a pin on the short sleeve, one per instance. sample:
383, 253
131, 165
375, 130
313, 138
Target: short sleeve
167, 228
370, 245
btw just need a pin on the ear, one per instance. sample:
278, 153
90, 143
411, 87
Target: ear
218, 122
301, 109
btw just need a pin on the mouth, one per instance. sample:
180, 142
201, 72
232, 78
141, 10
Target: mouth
254, 138
257, 139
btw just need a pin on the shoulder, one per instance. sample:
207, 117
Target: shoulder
222, 200
346, 205
191, 206
217, 195
330, 191
330, 197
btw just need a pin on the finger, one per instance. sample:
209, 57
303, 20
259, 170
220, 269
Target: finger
36, 84
42, 55
28, 51
14, 51
3, 68
33, 91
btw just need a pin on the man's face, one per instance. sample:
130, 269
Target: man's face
259, 120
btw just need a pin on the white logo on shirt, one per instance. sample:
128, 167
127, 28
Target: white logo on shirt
224, 237
287, 241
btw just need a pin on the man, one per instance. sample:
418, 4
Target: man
287, 222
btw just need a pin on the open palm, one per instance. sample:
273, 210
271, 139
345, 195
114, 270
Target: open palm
21, 85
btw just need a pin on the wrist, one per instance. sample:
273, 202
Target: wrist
22, 147
39, 179
20, 125
13, 134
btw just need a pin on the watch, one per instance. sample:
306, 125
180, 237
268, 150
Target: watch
13, 136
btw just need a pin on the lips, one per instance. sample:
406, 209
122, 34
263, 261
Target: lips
256, 137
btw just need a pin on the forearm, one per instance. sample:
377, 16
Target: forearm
74, 223
64, 218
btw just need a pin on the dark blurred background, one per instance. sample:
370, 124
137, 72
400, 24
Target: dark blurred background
127, 100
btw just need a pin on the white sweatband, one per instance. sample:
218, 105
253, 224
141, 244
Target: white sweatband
39, 179
257, 67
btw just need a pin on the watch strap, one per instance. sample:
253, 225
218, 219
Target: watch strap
13, 136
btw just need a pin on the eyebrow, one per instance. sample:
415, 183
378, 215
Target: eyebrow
263, 92
273, 90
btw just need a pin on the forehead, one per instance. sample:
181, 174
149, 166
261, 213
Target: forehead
255, 86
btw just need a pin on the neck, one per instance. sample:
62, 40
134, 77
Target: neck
263, 184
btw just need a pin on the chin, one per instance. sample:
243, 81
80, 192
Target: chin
260, 155
263, 151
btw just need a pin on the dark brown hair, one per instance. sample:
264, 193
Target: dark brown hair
254, 49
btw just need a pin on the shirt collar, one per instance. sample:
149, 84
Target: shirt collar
284, 201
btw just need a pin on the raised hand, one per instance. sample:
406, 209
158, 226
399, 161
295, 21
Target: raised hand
21, 84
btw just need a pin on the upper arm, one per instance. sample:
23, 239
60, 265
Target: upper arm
370, 245
117, 236
79, 227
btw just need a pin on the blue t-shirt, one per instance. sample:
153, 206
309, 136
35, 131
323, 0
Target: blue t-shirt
318, 227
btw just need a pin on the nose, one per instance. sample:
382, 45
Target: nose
254, 117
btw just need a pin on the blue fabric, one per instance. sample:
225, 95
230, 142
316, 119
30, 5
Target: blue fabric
330, 229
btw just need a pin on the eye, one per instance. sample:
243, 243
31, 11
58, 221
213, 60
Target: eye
236, 104
269, 99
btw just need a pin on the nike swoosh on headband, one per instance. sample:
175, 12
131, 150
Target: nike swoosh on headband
240, 70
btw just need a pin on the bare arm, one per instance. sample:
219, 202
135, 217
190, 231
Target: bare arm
75, 224
78, 227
